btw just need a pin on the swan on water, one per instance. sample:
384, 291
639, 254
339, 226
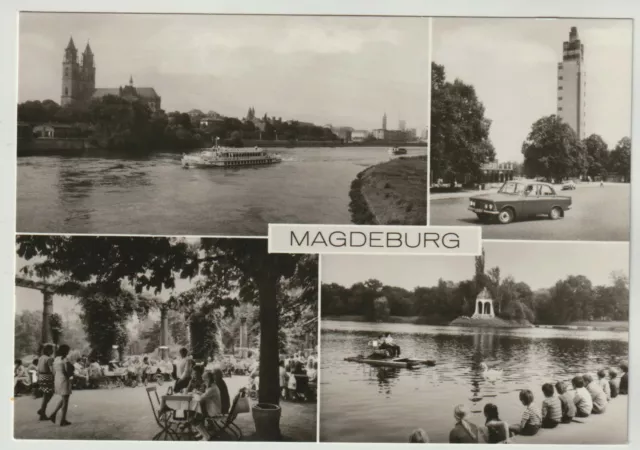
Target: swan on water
490, 374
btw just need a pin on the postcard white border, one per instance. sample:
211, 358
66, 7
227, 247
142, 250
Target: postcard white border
432, 8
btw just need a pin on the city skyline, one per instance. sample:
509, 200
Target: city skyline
512, 64
596, 261
343, 71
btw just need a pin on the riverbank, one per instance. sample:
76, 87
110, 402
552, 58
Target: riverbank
608, 428
611, 325
494, 322
391, 193
125, 414
356, 318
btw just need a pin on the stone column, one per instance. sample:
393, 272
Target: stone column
164, 333
243, 338
47, 311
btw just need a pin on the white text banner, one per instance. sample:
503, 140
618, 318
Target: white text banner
375, 239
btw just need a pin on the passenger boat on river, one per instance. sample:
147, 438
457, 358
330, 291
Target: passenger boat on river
229, 157
395, 151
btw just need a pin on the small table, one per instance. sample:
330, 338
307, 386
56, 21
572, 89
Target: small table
179, 411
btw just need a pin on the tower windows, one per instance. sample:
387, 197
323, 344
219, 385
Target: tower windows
66, 91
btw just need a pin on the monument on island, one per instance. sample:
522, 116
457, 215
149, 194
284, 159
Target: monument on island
484, 306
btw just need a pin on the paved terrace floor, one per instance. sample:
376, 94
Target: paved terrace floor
125, 413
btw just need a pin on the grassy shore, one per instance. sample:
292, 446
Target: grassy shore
608, 428
125, 413
494, 322
393, 192
355, 318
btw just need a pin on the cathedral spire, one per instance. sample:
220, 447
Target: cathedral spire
71, 45
130, 80
87, 49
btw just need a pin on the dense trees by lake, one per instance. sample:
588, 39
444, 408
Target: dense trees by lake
573, 298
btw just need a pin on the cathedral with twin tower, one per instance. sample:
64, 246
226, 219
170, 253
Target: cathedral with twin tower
79, 82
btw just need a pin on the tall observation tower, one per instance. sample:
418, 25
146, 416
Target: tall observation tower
572, 84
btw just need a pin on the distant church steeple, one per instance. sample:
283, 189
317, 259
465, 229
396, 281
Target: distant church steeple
78, 78
130, 80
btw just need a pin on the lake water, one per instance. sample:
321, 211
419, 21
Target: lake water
360, 403
113, 194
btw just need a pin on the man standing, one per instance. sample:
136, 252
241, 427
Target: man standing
184, 368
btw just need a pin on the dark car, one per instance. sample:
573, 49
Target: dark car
520, 199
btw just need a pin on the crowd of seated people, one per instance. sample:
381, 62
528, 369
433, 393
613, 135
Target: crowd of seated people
560, 405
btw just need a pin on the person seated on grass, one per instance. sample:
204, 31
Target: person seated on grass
551, 407
624, 380
419, 436
566, 402
464, 432
614, 383
597, 395
531, 418
21, 378
604, 383
581, 397
497, 430
197, 384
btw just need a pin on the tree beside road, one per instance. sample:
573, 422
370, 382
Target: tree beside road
460, 142
553, 151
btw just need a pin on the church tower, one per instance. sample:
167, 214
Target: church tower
70, 75
88, 70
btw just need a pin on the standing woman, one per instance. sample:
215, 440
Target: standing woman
45, 379
62, 382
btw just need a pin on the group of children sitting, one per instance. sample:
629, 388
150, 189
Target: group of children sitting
560, 405
589, 396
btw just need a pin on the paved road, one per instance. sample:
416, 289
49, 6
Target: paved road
597, 214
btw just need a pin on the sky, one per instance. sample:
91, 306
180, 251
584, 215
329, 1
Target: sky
344, 71
540, 265
512, 63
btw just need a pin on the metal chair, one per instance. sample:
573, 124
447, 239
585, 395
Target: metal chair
161, 417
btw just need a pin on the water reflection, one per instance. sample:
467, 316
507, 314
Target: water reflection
152, 194
528, 359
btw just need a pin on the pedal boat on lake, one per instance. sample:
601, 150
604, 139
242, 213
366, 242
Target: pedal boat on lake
407, 363
229, 157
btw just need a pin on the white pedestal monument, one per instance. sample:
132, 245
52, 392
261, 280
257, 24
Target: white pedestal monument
484, 306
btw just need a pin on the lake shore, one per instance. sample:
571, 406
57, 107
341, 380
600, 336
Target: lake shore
608, 428
494, 322
391, 193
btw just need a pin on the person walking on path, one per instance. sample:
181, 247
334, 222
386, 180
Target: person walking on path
62, 372
45, 379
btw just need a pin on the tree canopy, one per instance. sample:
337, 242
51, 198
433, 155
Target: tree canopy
571, 299
460, 142
553, 151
